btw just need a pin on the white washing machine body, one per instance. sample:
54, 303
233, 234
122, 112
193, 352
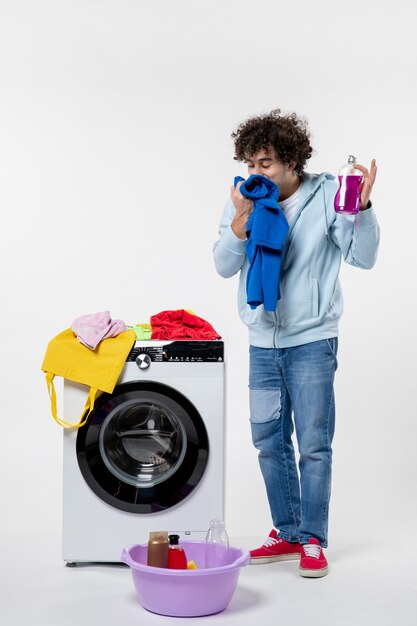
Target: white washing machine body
151, 456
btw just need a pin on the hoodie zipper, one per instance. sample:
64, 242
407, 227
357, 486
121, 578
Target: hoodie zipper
284, 254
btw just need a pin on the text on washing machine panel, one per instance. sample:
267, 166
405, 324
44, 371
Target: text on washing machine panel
180, 351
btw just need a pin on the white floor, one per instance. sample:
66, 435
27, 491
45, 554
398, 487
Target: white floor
368, 584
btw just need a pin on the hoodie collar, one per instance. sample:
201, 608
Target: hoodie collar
311, 182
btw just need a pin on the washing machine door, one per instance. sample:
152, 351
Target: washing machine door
144, 448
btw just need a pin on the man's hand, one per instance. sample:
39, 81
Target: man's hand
244, 208
367, 183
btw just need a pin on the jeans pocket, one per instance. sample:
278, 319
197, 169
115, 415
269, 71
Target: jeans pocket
264, 404
333, 344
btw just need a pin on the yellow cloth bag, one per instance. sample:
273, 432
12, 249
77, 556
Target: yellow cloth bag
100, 369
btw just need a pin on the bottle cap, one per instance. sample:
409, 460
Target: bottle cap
216, 523
173, 539
352, 159
158, 536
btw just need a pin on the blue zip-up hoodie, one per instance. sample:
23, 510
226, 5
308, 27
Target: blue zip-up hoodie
266, 230
311, 301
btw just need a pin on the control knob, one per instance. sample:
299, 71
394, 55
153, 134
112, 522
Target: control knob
143, 361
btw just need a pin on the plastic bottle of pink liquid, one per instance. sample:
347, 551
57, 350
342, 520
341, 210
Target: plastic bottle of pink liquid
348, 197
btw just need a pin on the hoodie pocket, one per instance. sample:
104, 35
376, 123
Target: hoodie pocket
314, 286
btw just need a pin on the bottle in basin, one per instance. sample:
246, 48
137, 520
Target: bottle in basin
217, 544
158, 548
348, 196
176, 555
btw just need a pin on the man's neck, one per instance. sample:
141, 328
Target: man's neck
291, 188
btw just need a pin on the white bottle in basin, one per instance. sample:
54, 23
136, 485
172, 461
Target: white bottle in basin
217, 544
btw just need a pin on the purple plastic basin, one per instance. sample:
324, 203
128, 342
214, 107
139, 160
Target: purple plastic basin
187, 593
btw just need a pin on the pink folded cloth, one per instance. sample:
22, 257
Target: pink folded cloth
94, 327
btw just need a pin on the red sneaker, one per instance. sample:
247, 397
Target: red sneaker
275, 549
313, 563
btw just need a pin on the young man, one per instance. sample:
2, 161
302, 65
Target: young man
293, 350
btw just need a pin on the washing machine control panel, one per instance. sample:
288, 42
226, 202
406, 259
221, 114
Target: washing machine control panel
178, 352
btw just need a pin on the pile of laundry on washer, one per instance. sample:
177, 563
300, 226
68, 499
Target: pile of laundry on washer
179, 324
99, 366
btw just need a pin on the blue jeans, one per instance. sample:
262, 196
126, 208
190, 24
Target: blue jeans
287, 387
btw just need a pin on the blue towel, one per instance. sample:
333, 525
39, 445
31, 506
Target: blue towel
266, 230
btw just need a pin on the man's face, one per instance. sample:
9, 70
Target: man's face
266, 163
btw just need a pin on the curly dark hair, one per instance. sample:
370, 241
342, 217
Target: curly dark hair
286, 134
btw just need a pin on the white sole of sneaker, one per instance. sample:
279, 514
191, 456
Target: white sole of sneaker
313, 573
261, 560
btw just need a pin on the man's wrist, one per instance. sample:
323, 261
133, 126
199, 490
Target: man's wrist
238, 230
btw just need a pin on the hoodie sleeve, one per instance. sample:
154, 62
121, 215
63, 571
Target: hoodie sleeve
229, 251
357, 237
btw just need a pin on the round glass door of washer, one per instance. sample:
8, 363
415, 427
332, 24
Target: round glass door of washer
144, 448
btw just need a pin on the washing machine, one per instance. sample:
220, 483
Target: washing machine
151, 456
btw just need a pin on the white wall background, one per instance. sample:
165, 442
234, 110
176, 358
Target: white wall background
115, 163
